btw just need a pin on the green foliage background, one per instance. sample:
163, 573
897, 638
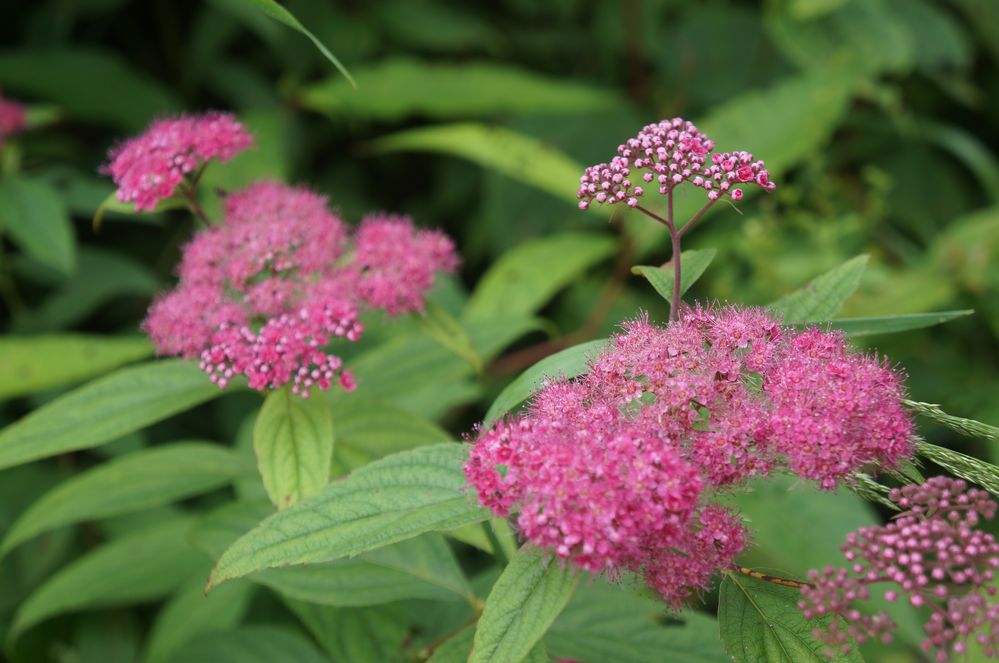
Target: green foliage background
878, 119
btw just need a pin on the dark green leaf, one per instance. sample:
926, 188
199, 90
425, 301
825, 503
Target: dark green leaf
359, 635
824, 295
249, 644
893, 324
443, 328
692, 263
33, 215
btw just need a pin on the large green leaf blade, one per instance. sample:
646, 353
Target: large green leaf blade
32, 215
528, 596
760, 622
33, 363
526, 277
693, 263
138, 481
137, 567
98, 412
390, 500
823, 296
293, 441
893, 324
566, 363
249, 644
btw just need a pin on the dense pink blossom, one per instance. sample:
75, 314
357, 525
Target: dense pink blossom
613, 470
661, 157
932, 554
150, 166
12, 118
264, 293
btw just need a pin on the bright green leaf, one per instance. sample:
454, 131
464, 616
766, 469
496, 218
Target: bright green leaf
692, 263
124, 401
761, 623
567, 363
443, 328
528, 596
249, 644
893, 324
33, 363
390, 500
526, 277
823, 296
111, 205
293, 441
33, 215
135, 482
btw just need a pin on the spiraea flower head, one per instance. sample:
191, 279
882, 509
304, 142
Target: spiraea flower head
661, 157
265, 292
12, 118
150, 166
933, 555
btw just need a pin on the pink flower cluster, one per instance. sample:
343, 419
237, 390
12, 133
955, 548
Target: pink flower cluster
150, 166
664, 155
265, 292
12, 118
612, 470
932, 552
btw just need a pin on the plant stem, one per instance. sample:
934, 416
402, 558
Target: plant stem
690, 224
495, 543
776, 580
192, 201
674, 305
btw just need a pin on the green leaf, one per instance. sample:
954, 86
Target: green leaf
443, 328
33, 215
390, 500
893, 324
971, 469
566, 363
394, 89
613, 623
968, 427
138, 567
457, 648
190, 613
824, 295
760, 622
249, 644
528, 596
33, 363
279, 13
359, 635
81, 81
369, 430
293, 441
124, 401
111, 205
141, 480
692, 263
526, 277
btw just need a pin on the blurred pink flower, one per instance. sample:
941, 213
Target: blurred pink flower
12, 118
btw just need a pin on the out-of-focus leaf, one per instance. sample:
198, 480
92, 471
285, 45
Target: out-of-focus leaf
293, 441
248, 644
443, 328
693, 263
612, 623
33, 363
893, 324
567, 363
124, 401
457, 648
761, 622
432, 26
279, 13
394, 89
390, 500
526, 277
190, 613
823, 296
358, 635
33, 216
137, 567
81, 81
967, 148
135, 482
100, 276
528, 596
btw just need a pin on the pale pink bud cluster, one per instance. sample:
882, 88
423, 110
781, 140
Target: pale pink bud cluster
12, 118
150, 166
612, 470
934, 555
661, 157
264, 293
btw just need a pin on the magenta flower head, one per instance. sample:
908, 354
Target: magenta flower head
13, 119
150, 166
934, 555
264, 293
661, 157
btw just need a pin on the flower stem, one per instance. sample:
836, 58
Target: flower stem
494, 541
775, 580
674, 305
192, 201
690, 224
